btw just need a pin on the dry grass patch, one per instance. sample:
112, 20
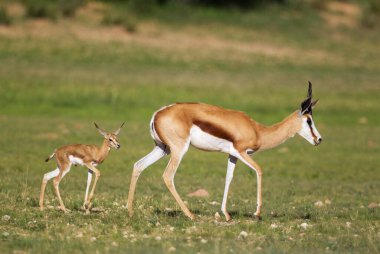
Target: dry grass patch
342, 14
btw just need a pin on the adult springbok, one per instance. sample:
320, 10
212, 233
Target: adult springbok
85, 155
210, 128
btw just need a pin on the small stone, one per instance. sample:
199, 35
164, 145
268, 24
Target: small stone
5, 234
171, 228
6, 218
363, 120
158, 238
158, 224
214, 203
199, 193
373, 205
304, 225
283, 150
203, 240
93, 239
327, 202
217, 216
348, 224
319, 203
79, 235
273, 226
243, 235
172, 249
114, 244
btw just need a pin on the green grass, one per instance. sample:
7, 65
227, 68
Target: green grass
52, 89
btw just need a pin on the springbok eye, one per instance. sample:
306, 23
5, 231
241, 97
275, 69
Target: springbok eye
110, 140
308, 121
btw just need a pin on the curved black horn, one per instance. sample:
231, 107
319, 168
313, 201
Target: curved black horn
310, 90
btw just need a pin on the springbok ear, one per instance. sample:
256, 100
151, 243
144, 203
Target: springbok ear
314, 103
118, 130
306, 106
101, 131
310, 90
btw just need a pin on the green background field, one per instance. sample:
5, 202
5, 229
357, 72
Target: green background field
57, 77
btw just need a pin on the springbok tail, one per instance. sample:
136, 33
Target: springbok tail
51, 156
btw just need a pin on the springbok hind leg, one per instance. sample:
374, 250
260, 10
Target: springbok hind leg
56, 182
45, 180
157, 153
168, 176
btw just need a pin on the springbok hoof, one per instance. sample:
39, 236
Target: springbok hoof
228, 217
191, 216
130, 213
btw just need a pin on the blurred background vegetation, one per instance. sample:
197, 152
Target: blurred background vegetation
127, 12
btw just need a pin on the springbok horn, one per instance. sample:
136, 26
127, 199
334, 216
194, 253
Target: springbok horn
101, 131
118, 130
310, 91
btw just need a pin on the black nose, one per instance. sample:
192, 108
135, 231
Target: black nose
118, 146
319, 140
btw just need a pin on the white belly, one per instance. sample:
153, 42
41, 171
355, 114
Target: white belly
204, 141
75, 161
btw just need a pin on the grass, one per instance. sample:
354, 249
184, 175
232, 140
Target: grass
53, 85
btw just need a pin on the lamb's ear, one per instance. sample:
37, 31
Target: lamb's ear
118, 130
101, 131
306, 106
314, 103
310, 90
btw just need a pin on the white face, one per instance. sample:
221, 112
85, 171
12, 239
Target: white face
309, 131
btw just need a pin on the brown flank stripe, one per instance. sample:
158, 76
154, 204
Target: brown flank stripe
213, 130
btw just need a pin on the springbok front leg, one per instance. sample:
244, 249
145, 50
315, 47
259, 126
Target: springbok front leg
229, 175
246, 159
157, 153
97, 175
89, 179
45, 180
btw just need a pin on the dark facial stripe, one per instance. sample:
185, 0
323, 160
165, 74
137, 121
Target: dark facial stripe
311, 128
213, 129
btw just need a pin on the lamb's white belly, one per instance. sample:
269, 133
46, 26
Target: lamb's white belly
75, 160
204, 141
